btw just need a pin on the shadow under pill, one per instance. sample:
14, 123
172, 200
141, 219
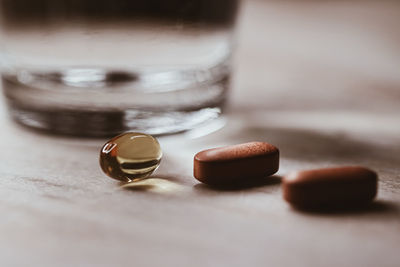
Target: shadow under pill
375, 207
246, 184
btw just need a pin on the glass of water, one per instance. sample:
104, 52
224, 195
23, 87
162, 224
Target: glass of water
102, 67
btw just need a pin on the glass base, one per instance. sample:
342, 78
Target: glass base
105, 124
106, 103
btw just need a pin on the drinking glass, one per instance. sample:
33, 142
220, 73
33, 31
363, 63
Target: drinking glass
102, 67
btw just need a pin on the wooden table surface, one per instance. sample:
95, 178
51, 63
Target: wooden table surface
319, 79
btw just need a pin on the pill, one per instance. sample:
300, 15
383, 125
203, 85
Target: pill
223, 165
348, 186
130, 156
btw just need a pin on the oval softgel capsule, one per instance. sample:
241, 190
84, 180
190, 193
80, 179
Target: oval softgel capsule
130, 156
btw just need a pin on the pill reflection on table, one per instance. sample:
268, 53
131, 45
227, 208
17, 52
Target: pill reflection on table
155, 185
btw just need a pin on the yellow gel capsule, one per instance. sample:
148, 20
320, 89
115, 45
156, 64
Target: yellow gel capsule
130, 156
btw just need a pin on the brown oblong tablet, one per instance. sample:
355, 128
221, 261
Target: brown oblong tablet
331, 187
221, 166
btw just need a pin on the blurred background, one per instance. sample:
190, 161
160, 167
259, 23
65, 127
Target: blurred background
342, 55
290, 55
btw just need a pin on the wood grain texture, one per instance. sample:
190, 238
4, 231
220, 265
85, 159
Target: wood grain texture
318, 79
